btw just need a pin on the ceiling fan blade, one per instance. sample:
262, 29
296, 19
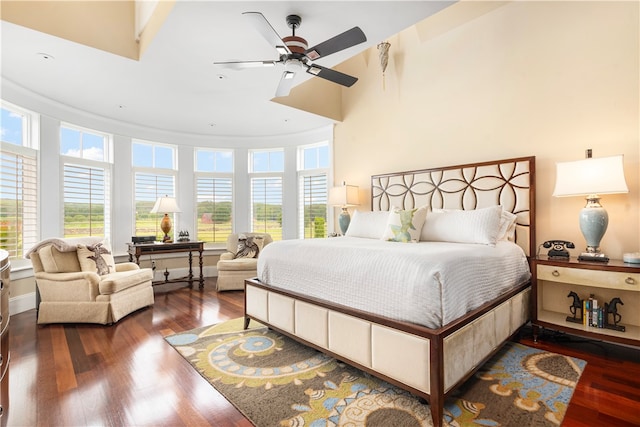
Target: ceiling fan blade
261, 25
239, 65
286, 83
332, 75
335, 44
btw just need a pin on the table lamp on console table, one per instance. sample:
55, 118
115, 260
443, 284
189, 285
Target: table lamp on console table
591, 177
167, 205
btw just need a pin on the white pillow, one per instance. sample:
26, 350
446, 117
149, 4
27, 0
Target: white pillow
368, 224
507, 228
404, 225
460, 226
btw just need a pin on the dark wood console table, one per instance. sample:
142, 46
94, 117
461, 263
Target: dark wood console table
138, 249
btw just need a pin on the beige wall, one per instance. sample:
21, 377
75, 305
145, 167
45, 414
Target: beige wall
107, 25
476, 83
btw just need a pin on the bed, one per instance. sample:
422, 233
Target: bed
427, 352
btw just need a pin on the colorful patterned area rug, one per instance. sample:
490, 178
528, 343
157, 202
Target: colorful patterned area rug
275, 381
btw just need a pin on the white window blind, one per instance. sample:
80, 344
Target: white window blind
266, 206
18, 203
313, 206
86, 201
214, 208
148, 187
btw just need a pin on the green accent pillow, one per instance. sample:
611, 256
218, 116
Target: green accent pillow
405, 225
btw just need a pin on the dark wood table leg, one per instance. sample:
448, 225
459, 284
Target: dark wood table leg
201, 284
190, 270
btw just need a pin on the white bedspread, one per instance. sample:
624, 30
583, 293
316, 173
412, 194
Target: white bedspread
428, 283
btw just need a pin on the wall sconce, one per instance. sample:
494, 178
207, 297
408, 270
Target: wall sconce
383, 55
591, 177
344, 196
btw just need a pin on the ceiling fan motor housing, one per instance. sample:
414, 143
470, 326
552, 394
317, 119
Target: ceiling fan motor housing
295, 44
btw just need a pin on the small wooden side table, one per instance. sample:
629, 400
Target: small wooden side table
138, 249
555, 281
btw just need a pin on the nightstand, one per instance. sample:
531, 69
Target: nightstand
554, 280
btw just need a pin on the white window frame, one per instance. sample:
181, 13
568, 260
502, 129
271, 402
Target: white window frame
306, 173
253, 177
157, 172
106, 165
202, 175
28, 150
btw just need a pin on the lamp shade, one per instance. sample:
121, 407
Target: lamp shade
165, 204
345, 195
603, 175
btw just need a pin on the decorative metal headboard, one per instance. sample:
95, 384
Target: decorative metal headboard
510, 183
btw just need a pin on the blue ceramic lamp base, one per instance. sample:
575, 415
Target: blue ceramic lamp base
593, 224
344, 219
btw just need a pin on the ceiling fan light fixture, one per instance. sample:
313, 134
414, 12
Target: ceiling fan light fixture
293, 65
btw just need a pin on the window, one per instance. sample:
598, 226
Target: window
154, 176
266, 169
18, 179
313, 167
86, 158
214, 195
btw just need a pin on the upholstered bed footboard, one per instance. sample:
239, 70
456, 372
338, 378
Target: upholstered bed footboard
424, 361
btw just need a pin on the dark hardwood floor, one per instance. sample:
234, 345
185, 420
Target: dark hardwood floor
127, 375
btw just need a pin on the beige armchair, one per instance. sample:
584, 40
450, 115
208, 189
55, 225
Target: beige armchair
78, 282
240, 262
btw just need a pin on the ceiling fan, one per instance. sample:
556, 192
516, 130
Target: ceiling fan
296, 56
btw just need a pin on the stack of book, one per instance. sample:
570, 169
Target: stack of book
592, 314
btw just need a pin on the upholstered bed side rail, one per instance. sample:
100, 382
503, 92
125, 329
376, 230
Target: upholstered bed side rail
468, 347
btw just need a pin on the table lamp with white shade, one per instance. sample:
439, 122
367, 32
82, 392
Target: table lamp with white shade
591, 177
166, 205
344, 196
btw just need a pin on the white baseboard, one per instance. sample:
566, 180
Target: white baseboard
22, 303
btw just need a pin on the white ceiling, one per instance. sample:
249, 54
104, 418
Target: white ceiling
175, 86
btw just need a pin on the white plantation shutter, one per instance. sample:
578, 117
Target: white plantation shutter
18, 203
214, 202
266, 206
148, 188
86, 201
312, 207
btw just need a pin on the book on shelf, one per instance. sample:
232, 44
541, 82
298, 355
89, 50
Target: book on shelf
592, 313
